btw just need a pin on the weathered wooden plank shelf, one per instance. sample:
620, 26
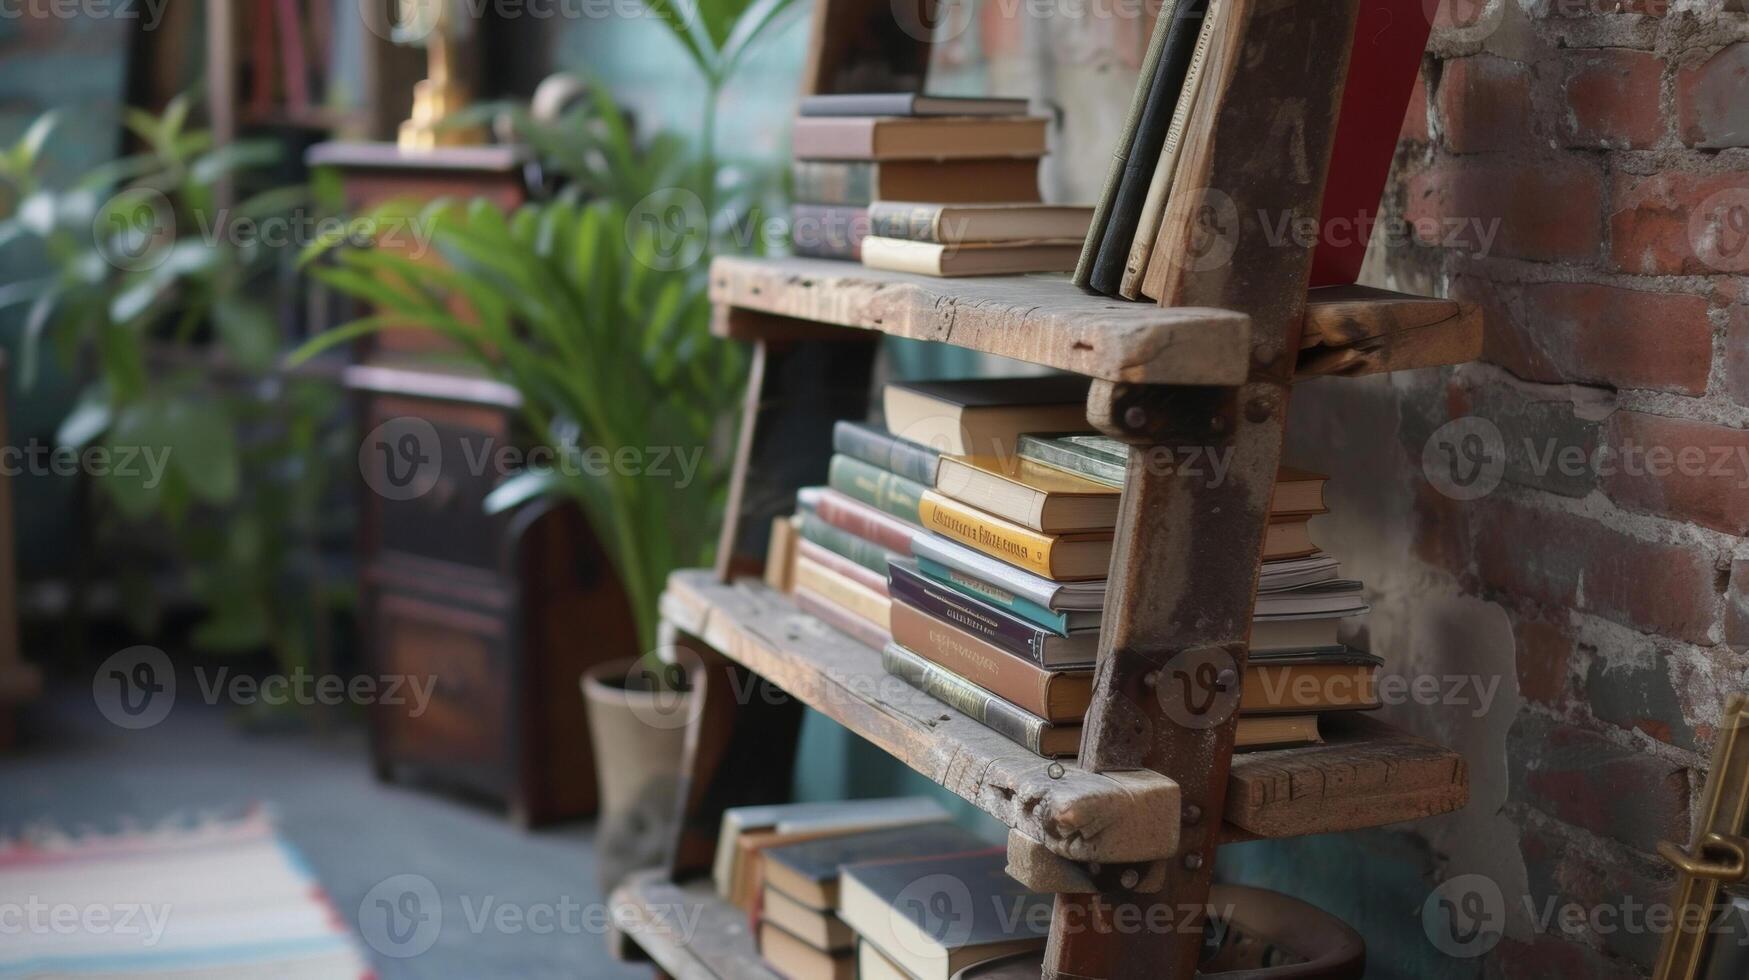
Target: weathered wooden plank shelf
1042, 319
656, 916
1079, 815
1349, 330
1367, 774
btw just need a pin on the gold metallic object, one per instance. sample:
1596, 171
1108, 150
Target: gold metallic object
1719, 855
441, 94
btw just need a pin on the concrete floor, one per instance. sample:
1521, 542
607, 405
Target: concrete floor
74, 771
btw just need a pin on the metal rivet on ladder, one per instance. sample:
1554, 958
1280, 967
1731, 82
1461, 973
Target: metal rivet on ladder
1056, 770
1130, 878
1192, 862
1192, 813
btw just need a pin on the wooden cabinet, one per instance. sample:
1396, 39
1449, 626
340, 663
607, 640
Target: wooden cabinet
488, 620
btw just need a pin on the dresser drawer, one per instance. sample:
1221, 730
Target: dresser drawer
461, 658
428, 467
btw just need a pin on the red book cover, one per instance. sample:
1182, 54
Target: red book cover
1389, 37
866, 522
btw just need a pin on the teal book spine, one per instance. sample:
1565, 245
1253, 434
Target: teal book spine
1025, 608
841, 542
876, 487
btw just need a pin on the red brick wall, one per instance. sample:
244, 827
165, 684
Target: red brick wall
1581, 169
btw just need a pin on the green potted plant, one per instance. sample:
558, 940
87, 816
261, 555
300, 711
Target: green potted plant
156, 297
593, 306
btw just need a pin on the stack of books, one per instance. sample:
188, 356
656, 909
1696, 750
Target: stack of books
927, 184
995, 517
917, 902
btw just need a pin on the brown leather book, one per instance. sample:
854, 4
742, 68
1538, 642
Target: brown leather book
1054, 695
917, 138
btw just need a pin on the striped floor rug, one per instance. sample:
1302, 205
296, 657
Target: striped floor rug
206, 899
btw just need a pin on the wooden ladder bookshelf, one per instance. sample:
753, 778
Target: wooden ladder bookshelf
1137, 818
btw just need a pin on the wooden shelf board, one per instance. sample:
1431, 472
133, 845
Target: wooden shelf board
1367, 774
657, 915
1042, 319
1079, 815
1349, 330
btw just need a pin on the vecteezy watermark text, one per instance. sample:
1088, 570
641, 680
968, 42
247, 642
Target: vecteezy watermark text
37, 458
150, 13
135, 688
402, 916
402, 459
32, 916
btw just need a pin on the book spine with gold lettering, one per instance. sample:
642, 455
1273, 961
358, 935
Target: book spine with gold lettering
993, 536
1054, 695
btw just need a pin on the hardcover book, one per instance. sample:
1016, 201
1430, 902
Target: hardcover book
798, 960
1292, 635
1064, 557
1276, 731
950, 224
860, 574
847, 816
841, 619
977, 588
808, 872
1144, 154
1166, 168
841, 591
995, 625
864, 552
886, 138
1389, 38
983, 416
1056, 596
1054, 695
1120, 153
1028, 493
931, 939
909, 104
1002, 717
969, 258
864, 521
872, 964
1339, 679
821, 929
1105, 461
876, 487
881, 448
860, 182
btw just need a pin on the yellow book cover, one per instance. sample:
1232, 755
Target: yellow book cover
1032, 550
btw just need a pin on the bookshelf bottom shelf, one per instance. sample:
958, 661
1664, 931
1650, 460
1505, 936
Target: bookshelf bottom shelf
1365, 774
686, 929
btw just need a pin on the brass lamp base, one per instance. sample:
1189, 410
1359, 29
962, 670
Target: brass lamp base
433, 103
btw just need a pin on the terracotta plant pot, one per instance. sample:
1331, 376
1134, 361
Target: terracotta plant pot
638, 728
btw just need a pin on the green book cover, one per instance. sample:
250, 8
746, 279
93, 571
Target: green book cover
1065, 453
876, 487
841, 542
1020, 606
